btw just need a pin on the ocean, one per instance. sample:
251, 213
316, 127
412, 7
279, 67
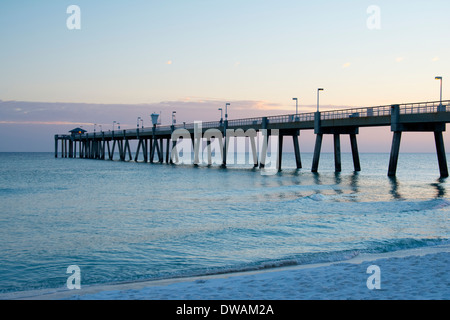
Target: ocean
133, 221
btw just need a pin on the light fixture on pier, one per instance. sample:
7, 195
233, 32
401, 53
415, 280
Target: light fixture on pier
296, 105
221, 114
174, 120
440, 78
318, 91
154, 116
226, 110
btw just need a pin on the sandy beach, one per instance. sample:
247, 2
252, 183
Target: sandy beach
416, 274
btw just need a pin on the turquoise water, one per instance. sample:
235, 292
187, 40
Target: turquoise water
137, 221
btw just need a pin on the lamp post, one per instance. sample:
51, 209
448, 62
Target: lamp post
137, 122
118, 125
318, 91
174, 121
226, 111
296, 105
440, 99
221, 114
142, 121
95, 126
101, 127
114, 122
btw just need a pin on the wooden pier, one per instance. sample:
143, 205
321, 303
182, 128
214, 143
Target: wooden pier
413, 117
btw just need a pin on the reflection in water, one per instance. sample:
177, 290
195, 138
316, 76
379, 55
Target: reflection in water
316, 177
394, 188
440, 187
338, 180
354, 182
354, 186
317, 181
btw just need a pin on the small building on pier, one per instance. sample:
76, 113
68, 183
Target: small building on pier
77, 131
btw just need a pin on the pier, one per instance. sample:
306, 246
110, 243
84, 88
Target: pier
160, 141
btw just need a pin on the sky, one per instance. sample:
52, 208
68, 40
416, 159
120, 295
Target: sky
129, 59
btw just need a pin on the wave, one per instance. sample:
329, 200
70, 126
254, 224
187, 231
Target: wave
433, 204
403, 244
312, 258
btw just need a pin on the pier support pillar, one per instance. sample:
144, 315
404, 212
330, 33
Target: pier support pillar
138, 149
109, 150
355, 153
121, 149
394, 153
153, 146
111, 155
209, 152
265, 148
70, 148
265, 142
167, 150
337, 153
225, 144
56, 146
174, 153
161, 151
280, 151
254, 151
298, 159
440, 150
317, 147
104, 147
127, 147
145, 150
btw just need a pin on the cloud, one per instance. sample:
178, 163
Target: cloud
346, 65
33, 126
61, 117
53, 123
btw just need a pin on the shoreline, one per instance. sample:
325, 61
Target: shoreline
405, 274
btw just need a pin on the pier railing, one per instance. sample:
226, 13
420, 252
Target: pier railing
408, 108
356, 113
423, 107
